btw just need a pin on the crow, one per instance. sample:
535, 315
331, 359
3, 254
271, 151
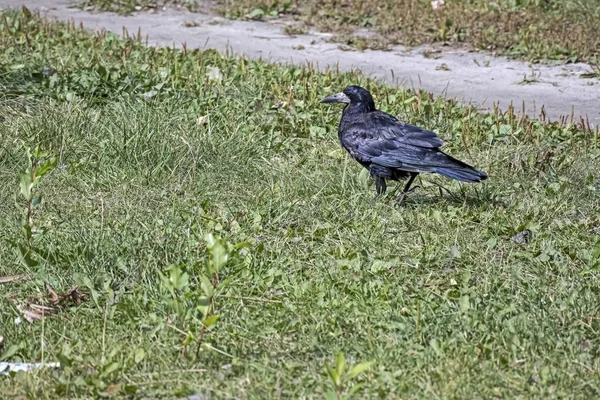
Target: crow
392, 149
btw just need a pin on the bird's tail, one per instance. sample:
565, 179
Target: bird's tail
456, 169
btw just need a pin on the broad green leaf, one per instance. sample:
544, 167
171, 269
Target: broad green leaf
110, 368
139, 355
331, 396
178, 278
340, 364
166, 282
210, 240
25, 183
435, 346
45, 167
130, 389
225, 282
39, 154
28, 233
27, 151
27, 254
203, 305
333, 375
359, 368
85, 281
378, 266
207, 286
211, 321
242, 245
354, 390
188, 339
11, 351
36, 201
218, 253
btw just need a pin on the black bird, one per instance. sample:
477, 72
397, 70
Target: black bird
392, 149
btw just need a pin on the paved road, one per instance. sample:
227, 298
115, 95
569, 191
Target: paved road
465, 75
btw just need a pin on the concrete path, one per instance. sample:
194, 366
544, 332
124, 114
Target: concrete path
468, 76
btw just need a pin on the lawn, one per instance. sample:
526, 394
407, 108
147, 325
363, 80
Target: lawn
534, 30
164, 166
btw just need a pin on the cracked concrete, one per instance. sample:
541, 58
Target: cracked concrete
474, 77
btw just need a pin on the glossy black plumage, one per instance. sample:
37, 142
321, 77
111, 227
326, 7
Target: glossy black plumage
391, 149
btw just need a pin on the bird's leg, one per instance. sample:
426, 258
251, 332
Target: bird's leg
380, 186
406, 190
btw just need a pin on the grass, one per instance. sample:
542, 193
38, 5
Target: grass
535, 30
129, 6
156, 148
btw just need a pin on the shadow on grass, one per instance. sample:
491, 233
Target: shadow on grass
478, 197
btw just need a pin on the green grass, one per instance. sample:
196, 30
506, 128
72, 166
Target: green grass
129, 6
536, 30
434, 292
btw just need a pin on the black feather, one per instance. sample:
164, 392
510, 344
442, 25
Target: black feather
392, 149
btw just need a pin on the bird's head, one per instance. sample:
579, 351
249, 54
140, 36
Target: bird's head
353, 95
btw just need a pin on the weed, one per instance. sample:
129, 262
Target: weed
187, 301
339, 377
595, 73
295, 29
128, 6
190, 24
433, 54
39, 164
532, 78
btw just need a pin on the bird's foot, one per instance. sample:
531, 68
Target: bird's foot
374, 199
402, 196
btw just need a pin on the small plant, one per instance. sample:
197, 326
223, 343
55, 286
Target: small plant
128, 6
533, 78
40, 163
338, 376
298, 29
594, 73
195, 310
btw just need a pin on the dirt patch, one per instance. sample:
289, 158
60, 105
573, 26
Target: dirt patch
472, 77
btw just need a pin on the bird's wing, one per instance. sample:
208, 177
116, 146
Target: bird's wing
390, 128
415, 150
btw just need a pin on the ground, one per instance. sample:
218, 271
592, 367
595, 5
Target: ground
471, 77
531, 29
159, 168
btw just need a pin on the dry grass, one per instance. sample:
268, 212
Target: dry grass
535, 30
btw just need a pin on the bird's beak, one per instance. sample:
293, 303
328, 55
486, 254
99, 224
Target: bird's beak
336, 98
